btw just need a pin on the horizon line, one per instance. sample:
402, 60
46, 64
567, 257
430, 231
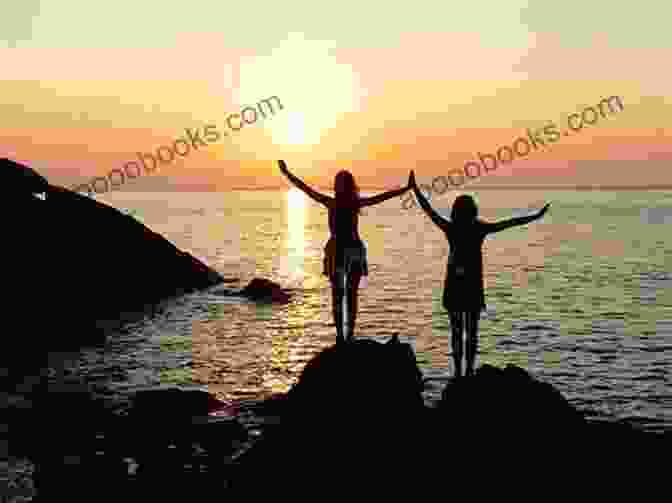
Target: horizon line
494, 187
584, 188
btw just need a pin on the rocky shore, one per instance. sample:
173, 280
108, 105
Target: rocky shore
355, 424
89, 264
78, 269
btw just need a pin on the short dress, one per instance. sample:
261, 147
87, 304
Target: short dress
345, 252
463, 287
346, 260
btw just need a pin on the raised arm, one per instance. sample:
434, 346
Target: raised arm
512, 222
443, 223
313, 194
379, 198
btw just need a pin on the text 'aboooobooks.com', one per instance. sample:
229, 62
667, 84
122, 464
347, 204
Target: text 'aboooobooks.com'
182, 147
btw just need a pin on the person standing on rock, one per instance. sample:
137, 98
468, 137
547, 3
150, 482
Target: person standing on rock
464, 274
345, 260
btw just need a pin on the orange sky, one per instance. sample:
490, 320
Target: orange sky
378, 102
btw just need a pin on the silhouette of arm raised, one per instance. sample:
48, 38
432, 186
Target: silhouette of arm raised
441, 222
313, 194
512, 222
379, 198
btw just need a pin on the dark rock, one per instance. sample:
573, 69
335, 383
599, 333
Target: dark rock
76, 416
508, 423
260, 290
163, 426
507, 407
355, 411
364, 376
354, 424
356, 416
71, 437
58, 433
79, 265
19, 180
264, 289
176, 403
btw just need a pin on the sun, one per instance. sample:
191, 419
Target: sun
294, 129
315, 88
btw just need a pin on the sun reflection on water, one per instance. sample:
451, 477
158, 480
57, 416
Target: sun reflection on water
280, 374
295, 244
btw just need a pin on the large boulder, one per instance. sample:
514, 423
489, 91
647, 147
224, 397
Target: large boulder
360, 378
504, 410
75, 265
519, 402
507, 423
353, 417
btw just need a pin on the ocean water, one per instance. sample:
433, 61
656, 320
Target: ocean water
582, 299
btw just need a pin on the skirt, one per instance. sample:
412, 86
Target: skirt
463, 291
348, 260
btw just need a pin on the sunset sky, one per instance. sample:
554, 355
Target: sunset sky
374, 87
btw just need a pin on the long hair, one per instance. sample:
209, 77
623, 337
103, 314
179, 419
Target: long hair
464, 209
346, 190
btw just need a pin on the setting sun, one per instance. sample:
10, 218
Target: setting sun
293, 130
314, 103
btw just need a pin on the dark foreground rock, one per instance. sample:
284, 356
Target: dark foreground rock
507, 407
177, 403
355, 416
354, 426
507, 410
75, 266
167, 445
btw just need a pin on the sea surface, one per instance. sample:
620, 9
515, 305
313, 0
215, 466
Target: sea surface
582, 299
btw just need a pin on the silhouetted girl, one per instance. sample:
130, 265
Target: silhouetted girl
345, 254
463, 294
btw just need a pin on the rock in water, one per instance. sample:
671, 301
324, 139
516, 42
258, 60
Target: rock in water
264, 289
74, 262
259, 290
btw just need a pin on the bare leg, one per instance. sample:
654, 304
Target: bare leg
456, 327
337, 293
472, 339
352, 291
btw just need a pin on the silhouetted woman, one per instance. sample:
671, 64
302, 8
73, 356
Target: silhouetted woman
463, 294
345, 259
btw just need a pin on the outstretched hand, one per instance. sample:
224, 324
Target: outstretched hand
543, 210
411, 180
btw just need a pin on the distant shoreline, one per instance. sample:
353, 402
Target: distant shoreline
580, 188
491, 187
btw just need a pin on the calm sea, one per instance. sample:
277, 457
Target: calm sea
582, 299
